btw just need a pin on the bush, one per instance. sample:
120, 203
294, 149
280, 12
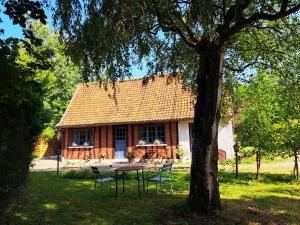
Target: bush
181, 151
79, 174
21, 120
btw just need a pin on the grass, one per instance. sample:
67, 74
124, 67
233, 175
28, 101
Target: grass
51, 199
252, 160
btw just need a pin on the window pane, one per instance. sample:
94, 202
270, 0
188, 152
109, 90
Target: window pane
151, 133
82, 137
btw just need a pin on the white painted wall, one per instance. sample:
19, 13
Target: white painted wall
225, 138
184, 138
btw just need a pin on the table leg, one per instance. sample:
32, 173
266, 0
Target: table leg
138, 178
116, 184
143, 179
123, 180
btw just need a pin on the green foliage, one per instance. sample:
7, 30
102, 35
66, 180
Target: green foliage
21, 112
79, 174
259, 113
58, 81
21, 120
287, 129
181, 151
268, 119
109, 37
246, 151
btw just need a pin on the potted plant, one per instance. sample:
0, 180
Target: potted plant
103, 156
142, 142
157, 142
180, 150
130, 157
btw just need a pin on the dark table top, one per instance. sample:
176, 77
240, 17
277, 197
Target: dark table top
129, 168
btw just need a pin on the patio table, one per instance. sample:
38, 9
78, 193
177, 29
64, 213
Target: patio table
130, 168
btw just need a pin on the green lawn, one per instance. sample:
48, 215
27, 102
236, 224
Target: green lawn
49, 199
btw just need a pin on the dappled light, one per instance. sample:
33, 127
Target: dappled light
60, 200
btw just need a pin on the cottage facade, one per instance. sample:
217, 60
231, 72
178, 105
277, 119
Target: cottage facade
143, 119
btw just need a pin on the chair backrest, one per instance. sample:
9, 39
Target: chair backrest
167, 168
95, 170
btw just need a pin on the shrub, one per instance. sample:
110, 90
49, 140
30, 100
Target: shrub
181, 151
21, 120
85, 173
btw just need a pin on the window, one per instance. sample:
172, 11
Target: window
82, 137
152, 134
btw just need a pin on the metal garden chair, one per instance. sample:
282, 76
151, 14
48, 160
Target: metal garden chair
164, 176
102, 176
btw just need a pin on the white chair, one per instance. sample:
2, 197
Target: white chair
164, 176
101, 176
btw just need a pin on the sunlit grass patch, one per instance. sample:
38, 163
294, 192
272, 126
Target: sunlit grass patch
51, 199
50, 206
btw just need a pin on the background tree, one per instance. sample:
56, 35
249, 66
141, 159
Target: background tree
58, 81
187, 36
21, 113
287, 130
258, 114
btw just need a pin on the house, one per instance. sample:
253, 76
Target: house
146, 120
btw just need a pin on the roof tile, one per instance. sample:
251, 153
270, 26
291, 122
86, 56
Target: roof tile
162, 98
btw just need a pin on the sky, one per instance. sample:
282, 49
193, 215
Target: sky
15, 31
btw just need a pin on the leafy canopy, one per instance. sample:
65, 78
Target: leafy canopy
58, 81
109, 36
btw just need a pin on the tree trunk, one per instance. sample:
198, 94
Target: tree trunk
258, 160
204, 187
296, 168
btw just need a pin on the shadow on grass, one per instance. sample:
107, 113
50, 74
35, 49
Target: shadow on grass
264, 211
49, 199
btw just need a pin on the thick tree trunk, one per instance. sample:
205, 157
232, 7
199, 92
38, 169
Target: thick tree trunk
258, 160
204, 188
296, 168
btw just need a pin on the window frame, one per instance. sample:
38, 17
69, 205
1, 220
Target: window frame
149, 130
75, 137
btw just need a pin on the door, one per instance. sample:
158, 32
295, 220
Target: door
120, 142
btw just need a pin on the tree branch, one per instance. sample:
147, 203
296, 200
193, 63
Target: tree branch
267, 27
168, 25
241, 69
234, 13
238, 69
186, 26
271, 17
242, 23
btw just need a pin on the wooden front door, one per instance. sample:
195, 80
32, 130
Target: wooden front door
120, 142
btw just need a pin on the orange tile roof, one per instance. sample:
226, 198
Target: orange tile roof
161, 99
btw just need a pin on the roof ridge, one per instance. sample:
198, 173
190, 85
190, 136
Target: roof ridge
134, 79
